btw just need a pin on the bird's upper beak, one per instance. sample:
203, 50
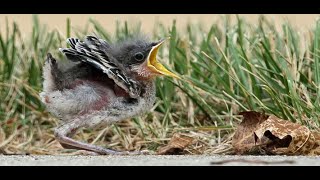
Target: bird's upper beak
155, 65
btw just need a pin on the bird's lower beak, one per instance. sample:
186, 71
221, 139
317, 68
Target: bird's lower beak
155, 65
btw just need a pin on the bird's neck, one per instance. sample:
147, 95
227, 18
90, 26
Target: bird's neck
149, 95
149, 88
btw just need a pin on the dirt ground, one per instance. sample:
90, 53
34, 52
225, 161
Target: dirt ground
301, 21
151, 160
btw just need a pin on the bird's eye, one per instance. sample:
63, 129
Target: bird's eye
139, 56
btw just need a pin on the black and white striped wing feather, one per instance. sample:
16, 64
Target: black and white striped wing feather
93, 51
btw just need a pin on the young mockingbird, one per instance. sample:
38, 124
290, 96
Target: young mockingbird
101, 83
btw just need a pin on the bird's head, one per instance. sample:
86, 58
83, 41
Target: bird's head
139, 56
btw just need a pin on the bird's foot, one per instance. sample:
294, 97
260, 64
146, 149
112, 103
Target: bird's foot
116, 153
105, 151
69, 143
131, 153
87, 153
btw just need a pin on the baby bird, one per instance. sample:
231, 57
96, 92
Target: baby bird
101, 83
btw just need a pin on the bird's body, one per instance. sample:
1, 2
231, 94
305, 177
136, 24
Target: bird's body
90, 96
100, 85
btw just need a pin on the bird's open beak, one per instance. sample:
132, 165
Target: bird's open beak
155, 65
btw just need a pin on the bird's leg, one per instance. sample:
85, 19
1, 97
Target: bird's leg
64, 132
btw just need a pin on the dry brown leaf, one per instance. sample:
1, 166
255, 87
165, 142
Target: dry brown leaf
243, 140
176, 145
262, 134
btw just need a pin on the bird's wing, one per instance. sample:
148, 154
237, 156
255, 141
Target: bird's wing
93, 51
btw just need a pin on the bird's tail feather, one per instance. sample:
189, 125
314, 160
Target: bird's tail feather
51, 75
